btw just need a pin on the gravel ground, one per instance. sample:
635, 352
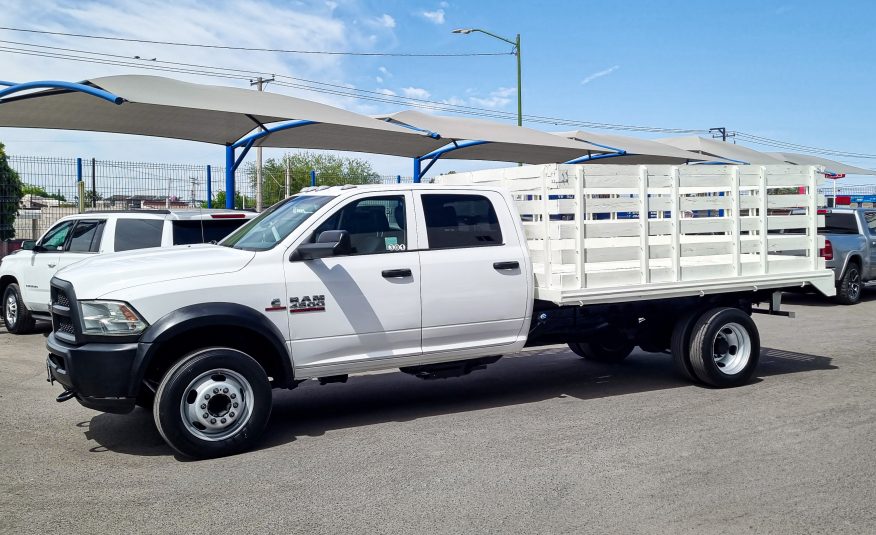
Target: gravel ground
543, 442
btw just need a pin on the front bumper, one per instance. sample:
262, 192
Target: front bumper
99, 374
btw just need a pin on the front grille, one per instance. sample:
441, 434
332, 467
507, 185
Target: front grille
64, 325
61, 300
64, 313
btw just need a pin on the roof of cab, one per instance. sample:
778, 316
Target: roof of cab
184, 214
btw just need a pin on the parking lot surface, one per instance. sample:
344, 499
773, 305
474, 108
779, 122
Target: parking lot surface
539, 443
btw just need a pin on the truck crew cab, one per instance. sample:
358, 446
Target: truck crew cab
436, 280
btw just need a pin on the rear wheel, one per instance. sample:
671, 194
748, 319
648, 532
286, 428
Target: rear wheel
850, 287
16, 316
680, 345
724, 347
608, 346
214, 402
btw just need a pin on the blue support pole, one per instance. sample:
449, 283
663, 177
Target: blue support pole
78, 171
417, 172
55, 84
209, 187
229, 176
312, 177
398, 179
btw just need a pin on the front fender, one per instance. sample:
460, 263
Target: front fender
213, 315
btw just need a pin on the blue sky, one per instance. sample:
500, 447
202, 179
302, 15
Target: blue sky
799, 71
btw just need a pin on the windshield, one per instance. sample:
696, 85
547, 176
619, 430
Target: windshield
275, 223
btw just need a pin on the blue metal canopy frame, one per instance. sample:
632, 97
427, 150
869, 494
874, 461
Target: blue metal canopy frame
13, 88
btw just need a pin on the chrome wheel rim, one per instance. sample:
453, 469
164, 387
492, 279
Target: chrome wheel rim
11, 310
854, 283
731, 348
216, 404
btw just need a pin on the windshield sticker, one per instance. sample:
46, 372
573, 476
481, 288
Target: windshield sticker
392, 244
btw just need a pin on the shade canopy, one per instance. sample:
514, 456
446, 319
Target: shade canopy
164, 107
637, 151
502, 142
721, 149
829, 165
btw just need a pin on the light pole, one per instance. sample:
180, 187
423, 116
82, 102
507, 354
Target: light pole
516, 44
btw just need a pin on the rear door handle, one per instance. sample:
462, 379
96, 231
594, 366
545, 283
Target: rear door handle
506, 265
52, 265
396, 273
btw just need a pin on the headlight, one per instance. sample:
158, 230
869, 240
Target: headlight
110, 318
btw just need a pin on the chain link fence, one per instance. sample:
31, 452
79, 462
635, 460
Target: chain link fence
51, 188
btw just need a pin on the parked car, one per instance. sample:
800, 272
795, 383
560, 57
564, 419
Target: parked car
436, 280
25, 275
850, 250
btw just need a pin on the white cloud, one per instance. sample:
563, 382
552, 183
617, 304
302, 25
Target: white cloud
444, 4
454, 101
599, 74
387, 92
498, 98
415, 92
436, 16
384, 71
378, 79
386, 21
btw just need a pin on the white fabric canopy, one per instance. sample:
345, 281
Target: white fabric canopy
721, 149
505, 143
829, 165
638, 151
164, 107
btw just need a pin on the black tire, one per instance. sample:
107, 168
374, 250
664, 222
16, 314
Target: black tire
728, 333
181, 386
680, 345
610, 347
16, 316
850, 287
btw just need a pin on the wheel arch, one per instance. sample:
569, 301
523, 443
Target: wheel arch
212, 325
5, 281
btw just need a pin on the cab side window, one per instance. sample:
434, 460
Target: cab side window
55, 239
870, 219
138, 234
460, 221
376, 224
86, 236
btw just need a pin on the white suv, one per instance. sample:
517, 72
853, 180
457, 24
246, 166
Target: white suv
25, 275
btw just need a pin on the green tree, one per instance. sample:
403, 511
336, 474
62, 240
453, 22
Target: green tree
240, 201
39, 191
10, 195
331, 170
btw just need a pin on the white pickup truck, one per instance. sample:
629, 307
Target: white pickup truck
438, 280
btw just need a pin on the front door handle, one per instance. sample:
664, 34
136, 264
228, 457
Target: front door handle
396, 273
506, 265
52, 265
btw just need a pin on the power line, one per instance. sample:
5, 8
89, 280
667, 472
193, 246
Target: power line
314, 86
251, 49
769, 142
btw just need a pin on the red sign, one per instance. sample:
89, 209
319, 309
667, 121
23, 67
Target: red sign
834, 176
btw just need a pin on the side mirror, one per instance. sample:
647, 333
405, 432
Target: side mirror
329, 243
28, 245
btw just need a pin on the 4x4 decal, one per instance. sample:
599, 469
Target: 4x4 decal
308, 303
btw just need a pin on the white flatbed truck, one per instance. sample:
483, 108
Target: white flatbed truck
437, 280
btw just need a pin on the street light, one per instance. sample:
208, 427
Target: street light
516, 44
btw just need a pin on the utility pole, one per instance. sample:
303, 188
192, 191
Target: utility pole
260, 85
287, 179
722, 131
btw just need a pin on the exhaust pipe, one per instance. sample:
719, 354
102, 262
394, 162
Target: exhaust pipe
66, 395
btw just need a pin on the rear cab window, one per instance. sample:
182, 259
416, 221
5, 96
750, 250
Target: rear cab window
870, 220
839, 223
460, 220
187, 232
137, 234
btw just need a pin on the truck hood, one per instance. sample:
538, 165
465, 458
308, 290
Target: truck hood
97, 276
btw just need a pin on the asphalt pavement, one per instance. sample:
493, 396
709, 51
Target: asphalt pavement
539, 443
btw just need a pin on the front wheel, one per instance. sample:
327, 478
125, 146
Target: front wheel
213, 402
724, 347
16, 316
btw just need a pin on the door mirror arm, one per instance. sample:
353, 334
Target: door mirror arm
329, 243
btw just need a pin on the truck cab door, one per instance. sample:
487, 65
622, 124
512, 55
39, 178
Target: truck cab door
476, 280
362, 306
870, 236
43, 265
